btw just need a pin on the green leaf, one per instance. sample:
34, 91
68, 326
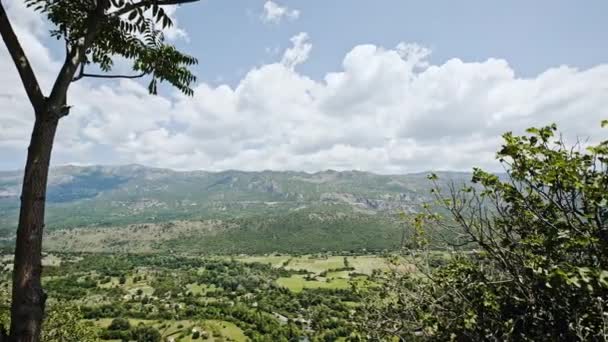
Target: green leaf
603, 278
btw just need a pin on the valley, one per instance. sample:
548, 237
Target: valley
184, 298
137, 253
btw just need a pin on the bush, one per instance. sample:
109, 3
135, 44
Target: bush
540, 272
119, 324
146, 334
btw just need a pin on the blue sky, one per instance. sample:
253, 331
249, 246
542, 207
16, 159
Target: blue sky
384, 86
531, 35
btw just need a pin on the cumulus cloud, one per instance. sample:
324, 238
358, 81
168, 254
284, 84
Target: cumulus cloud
299, 52
387, 110
16, 113
414, 53
175, 32
274, 13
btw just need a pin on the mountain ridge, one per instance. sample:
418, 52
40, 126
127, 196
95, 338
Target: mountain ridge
256, 205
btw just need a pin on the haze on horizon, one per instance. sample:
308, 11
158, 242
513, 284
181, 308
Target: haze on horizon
54, 168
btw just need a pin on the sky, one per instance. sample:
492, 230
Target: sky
387, 86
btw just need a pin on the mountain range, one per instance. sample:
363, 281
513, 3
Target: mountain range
133, 208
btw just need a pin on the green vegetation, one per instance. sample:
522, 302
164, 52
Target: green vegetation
187, 298
297, 283
124, 210
539, 267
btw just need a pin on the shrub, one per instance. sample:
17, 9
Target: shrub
146, 334
537, 267
119, 324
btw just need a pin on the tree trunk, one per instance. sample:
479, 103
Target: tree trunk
28, 300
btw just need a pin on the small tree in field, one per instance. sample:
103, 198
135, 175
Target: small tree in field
146, 334
119, 324
536, 266
94, 31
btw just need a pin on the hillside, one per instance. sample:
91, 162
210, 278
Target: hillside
136, 208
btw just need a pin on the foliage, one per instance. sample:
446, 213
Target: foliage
146, 334
64, 324
119, 324
539, 267
119, 29
5, 306
297, 232
224, 297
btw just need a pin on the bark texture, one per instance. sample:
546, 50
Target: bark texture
28, 300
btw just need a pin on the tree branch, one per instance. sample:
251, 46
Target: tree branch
82, 75
79, 76
75, 57
31, 85
128, 8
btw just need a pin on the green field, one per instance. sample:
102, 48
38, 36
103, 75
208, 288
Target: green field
274, 260
219, 298
366, 264
297, 283
182, 330
316, 264
320, 265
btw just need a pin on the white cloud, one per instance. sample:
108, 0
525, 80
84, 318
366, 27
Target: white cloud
274, 13
16, 115
175, 32
299, 52
387, 110
414, 53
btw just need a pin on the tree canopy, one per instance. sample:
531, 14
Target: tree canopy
536, 266
96, 32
